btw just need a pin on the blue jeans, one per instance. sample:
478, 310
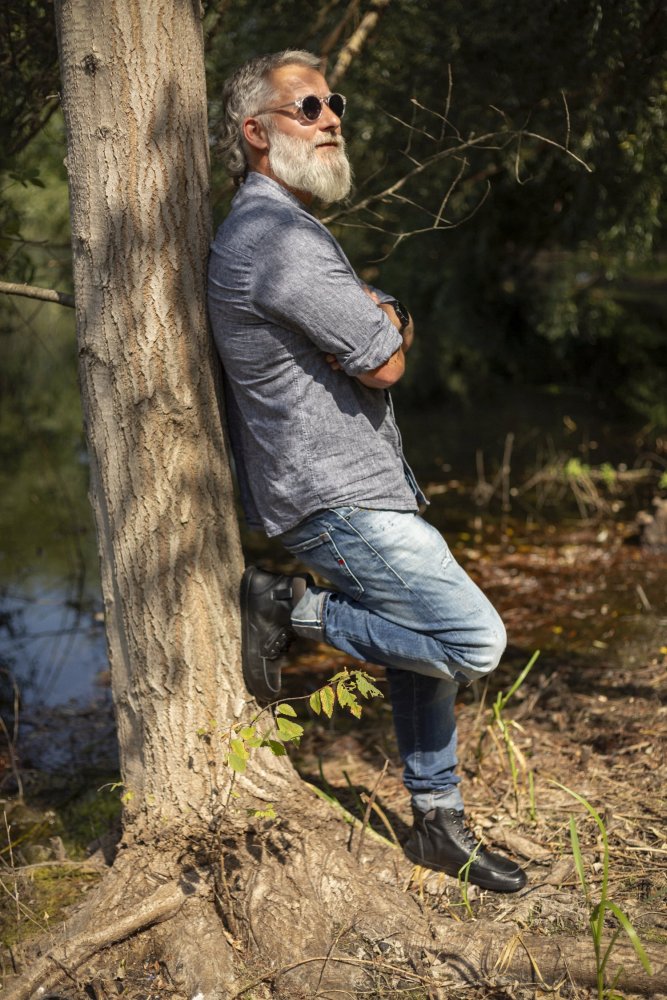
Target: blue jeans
403, 602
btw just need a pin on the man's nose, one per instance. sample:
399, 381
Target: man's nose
328, 120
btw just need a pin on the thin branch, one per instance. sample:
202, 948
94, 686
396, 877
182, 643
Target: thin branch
424, 165
558, 145
357, 41
412, 128
430, 229
335, 33
448, 102
33, 292
342, 960
567, 119
449, 192
443, 118
324, 12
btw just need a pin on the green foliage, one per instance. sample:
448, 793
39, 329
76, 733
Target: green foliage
534, 288
464, 879
549, 280
505, 727
344, 687
273, 727
29, 78
599, 910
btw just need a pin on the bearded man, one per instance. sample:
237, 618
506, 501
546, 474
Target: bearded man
309, 353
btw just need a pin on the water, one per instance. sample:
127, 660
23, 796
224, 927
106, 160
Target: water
54, 648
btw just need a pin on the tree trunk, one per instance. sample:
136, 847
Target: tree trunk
135, 108
220, 887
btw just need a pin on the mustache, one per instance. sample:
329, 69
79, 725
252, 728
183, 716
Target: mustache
332, 140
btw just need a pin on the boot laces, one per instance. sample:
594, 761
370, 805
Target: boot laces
467, 836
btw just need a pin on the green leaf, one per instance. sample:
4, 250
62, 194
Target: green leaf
236, 763
268, 813
247, 732
340, 676
239, 749
328, 700
520, 679
315, 702
285, 709
276, 747
289, 730
632, 934
345, 696
365, 686
355, 709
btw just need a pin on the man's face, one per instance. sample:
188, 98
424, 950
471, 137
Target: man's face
307, 157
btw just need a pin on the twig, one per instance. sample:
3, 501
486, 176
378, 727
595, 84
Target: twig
364, 963
567, 120
12, 739
430, 161
643, 598
33, 292
369, 807
15, 894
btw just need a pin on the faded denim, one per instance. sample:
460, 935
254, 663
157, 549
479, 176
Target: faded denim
403, 602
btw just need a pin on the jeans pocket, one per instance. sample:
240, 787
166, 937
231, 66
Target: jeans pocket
321, 554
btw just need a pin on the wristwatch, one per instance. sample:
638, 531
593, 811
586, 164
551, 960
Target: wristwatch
401, 312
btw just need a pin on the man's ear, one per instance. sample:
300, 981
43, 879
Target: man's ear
255, 134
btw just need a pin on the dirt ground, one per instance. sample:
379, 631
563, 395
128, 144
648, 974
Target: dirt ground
591, 715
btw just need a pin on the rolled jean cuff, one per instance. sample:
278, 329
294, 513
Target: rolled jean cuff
309, 615
450, 798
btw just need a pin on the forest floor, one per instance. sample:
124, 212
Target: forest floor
591, 715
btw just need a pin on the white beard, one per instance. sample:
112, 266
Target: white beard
298, 165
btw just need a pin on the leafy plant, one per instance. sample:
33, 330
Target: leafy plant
505, 727
598, 911
244, 737
464, 878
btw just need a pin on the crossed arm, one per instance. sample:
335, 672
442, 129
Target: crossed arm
388, 373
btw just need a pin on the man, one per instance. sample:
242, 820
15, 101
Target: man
309, 353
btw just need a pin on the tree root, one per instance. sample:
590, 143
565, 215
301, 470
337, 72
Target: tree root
289, 897
66, 958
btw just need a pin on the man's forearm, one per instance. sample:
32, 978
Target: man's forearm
387, 374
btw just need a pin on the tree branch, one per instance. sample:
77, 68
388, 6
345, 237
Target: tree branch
356, 42
33, 292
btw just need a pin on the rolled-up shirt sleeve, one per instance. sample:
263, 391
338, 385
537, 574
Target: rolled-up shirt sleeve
301, 280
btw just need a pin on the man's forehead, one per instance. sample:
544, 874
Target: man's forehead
294, 78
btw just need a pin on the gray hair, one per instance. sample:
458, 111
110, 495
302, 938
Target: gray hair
244, 94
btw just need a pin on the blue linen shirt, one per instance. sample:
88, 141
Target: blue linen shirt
282, 294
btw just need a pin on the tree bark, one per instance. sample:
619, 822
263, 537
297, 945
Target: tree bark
135, 108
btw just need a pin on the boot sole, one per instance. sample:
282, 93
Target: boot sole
472, 879
255, 678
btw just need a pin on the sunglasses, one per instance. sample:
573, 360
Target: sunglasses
311, 106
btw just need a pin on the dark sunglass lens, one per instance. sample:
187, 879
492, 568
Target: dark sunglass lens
337, 104
311, 107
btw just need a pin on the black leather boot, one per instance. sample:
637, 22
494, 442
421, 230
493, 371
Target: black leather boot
441, 840
267, 600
